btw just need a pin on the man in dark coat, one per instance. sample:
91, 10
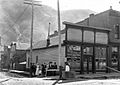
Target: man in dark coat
44, 69
33, 68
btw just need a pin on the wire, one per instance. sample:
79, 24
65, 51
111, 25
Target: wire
16, 20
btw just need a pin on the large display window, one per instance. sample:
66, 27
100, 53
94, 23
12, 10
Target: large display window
114, 57
73, 56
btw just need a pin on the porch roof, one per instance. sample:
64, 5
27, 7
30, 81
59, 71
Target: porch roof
87, 27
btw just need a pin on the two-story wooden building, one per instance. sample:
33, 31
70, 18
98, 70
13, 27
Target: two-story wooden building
108, 19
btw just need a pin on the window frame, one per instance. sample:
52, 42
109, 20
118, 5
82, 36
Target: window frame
116, 31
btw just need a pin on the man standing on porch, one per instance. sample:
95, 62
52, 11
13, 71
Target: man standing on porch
67, 67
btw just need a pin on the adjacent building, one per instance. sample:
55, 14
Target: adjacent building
108, 19
14, 56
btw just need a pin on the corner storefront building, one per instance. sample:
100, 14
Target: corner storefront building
86, 48
91, 45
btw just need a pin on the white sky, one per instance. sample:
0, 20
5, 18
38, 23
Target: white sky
94, 5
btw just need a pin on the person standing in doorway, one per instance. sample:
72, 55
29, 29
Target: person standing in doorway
67, 67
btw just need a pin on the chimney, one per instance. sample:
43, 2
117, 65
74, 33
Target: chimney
48, 42
15, 45
110, 7
91, 15
48, 38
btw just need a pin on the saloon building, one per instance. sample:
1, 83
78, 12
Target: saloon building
91, 45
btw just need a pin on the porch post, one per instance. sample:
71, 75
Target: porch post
93, 57
119, 58
81, 62
108, 58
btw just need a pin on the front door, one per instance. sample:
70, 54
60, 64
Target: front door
87, 59
87, 63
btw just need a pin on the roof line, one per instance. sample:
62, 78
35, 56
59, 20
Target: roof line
45, 47
92, 27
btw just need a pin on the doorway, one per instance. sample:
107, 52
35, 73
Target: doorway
87, 63
87, 59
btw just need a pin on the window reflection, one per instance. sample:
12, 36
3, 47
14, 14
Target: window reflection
88, 50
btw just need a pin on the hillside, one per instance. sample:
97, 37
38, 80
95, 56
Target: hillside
16, 20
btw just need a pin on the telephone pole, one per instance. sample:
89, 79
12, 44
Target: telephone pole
59, 34
31, 2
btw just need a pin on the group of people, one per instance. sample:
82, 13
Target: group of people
52, 65
37, 69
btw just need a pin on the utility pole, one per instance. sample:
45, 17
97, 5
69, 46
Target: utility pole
49, 31
31, 2
0, 55
59, 34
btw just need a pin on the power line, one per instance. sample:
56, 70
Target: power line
16, 20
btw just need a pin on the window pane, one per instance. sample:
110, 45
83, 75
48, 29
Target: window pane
89, 36
88, 50
74, 35
114, 57
101, 38
116, 31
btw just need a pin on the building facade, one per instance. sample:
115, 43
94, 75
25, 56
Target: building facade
91, 45
79, 45
87, 48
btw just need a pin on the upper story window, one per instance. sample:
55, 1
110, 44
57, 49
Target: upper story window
117, 31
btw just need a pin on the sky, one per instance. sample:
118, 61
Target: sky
94, 5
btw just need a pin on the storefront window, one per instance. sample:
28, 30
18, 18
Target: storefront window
116, 31
73, 51
73, 56
114, 58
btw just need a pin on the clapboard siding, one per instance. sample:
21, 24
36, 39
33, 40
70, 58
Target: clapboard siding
47, 55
